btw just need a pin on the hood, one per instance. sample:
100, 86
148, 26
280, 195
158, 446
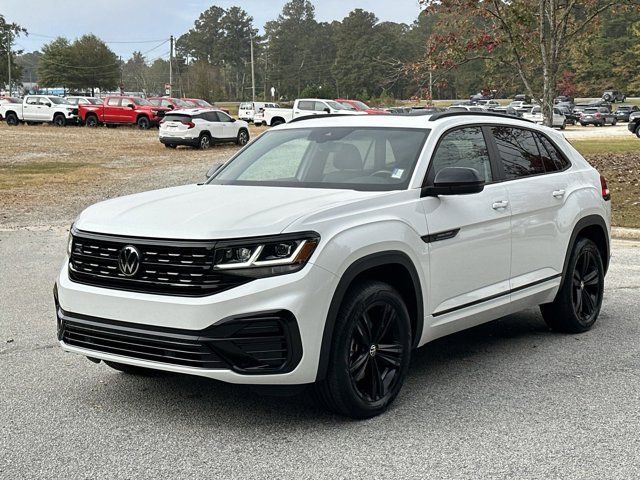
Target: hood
205, 212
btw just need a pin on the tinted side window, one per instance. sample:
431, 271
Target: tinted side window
210, 116
464, 147
518, 152
560, 163
306, 105
223, 117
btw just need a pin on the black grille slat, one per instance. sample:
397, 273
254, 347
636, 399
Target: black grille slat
172, 269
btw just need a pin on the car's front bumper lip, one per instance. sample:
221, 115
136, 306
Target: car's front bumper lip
306, 294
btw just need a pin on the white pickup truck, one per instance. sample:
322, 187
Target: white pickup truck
40, 109
302, 107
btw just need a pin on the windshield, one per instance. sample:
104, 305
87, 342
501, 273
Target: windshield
355, 158
141, 101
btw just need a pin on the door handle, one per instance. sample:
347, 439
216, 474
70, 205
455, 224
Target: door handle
500, 204
559, 193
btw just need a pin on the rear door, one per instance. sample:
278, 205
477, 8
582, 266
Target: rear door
31, 109
229, 126
469, 239
537, 185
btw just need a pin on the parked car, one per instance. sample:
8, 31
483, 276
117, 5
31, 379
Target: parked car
6, 101
201, 127
303, 107
488, 104
570, 117
359, 106
248, 110
521, 97
327, 250
563, 99
613, 96
634, 123
623, 111
40, 109
465, 108
122, 111
598, 116
170, 103
83, 100
520, 106
535, 115
200, 103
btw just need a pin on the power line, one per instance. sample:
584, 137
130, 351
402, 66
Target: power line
105, 41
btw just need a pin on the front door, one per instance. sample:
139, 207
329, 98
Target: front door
469, 239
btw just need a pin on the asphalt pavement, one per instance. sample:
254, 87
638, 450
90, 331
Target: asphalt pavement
508, 399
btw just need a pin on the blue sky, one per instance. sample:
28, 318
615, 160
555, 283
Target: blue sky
154, 20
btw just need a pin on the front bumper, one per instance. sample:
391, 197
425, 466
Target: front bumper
304, 295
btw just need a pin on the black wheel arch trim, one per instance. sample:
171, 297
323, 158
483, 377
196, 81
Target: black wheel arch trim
356, 268
585, 222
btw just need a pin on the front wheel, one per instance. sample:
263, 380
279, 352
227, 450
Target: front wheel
91, 121
563, 126
614, 123
243, 138
371, 349
577, 304
638, 131
143, 123
12, 119
59, 121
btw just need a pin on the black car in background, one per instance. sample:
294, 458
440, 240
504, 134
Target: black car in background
634, 123
623, 111
571, 117
614, 96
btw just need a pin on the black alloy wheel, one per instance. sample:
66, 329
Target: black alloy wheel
243, 138
59, 121
370, 351
143, 123
577, 304
92, 121
375, 356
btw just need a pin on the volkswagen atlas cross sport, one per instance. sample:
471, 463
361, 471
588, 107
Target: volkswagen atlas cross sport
327, 249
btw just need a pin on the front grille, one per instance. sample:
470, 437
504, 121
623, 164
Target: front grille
173, 268
267, 342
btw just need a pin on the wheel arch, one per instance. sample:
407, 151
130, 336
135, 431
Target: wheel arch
595, 229
274, 119
393, 267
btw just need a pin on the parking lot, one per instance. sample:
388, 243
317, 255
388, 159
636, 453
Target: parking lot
508, 398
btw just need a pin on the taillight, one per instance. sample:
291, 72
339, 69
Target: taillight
598, 115
606, 194
189, 124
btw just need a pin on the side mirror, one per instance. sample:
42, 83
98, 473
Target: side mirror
131, 105
170, 107
47, 105
455, 181
327, 110
233, 119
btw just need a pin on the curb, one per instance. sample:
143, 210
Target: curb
621, 233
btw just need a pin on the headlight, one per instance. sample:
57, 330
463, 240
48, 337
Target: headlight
267, 256
70, 242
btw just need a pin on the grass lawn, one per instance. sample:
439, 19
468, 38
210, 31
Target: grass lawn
596, 146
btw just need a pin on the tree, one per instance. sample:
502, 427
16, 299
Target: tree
135, 73
93, 64
532, 35
8, 34
55, 63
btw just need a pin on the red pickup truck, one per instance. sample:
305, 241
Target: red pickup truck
122, 111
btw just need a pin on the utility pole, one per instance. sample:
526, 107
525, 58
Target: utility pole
253, 74
170, 65
9, 58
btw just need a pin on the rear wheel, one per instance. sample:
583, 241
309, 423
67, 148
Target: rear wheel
204, 142
577, 305
638, 131
131, 369
12, 119
143, 123
563, 126
277, 122
170, 145
615, 121
243, 138
370, 354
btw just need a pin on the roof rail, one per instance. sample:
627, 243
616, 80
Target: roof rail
438, 116
311, 117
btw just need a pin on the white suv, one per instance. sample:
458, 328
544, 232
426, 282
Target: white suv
328, 249
201, 128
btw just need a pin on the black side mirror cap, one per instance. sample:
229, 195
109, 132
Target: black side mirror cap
327, 110
455, 181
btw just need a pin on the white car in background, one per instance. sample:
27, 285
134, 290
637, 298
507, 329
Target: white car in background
40, 109
535, 115
303, 107
84, 100
201, 128
248, 110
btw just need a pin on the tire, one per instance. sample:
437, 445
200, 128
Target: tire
131, 369
607, 98
204, 142
143, 123
364, 375
275, 123
577, 304
92, 121
583, 124
243, 138
615, 121
59, 120
638, 131
564, 126
12, 119
170, 145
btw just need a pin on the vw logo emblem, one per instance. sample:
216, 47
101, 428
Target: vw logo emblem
129, 261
